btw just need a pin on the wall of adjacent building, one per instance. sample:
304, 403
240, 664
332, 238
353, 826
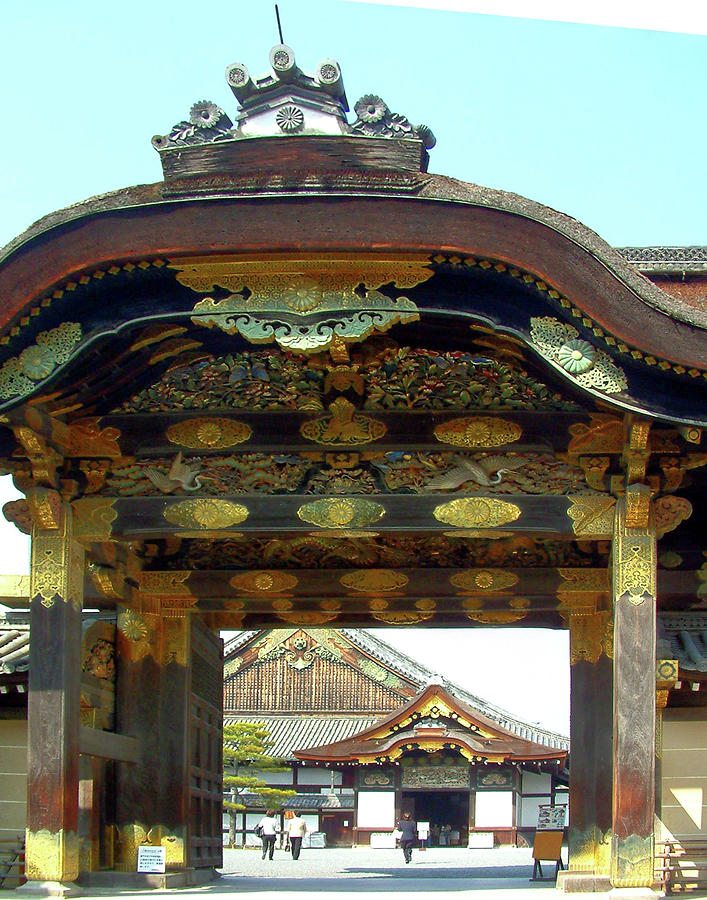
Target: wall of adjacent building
13, 777
684, 774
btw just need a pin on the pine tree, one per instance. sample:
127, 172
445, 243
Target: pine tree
245, 747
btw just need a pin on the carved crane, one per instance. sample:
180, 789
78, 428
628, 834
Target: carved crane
486, 471
180, 476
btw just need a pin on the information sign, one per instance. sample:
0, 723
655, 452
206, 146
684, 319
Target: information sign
151, 859
552, 818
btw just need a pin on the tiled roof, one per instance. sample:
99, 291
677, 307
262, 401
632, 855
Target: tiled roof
413, 670
290, 733
14, 651
302, 801
684, 638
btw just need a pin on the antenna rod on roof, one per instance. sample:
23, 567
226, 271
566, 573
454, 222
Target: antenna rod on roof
279, 26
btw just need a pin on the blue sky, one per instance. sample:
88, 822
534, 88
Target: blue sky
606, 124
603, 123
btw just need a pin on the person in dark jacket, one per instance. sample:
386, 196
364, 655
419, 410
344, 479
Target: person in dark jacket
408, 834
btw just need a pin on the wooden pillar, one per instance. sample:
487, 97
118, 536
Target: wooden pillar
634, 588
591, 689
56, 591
152, 704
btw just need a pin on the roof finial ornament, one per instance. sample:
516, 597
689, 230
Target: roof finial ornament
279, 26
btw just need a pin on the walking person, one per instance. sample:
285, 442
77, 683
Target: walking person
296, 830
267, 828
408, 833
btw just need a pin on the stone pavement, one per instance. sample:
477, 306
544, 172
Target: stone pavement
370, 874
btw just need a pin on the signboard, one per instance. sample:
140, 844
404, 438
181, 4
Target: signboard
436, 776
552, 818
151, 859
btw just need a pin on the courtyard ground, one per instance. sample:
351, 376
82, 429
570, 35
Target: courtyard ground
502, 874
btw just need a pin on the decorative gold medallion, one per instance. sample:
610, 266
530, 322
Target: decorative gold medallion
206, 513
287, 297
374, 581
209, 434
484, 580
307, 618
477, 431
132, 625
344, 512
590, 368
264, 582
19, 375
592, 514
171, 584
402, 618
472, 512
93, 518
493, 617
344, 427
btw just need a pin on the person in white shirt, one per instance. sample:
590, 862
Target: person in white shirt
268, 831
296, 830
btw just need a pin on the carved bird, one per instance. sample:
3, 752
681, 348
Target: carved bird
486, 471
180, 476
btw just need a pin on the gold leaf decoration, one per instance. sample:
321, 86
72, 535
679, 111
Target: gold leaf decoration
374, 581
132, 625
470, 512
287, 295
496, 617
484, 580
209, 434
344, 427
589, 367
402, 618
592, 514
172, 584
341, 512
206, 513
264, 582
19, 375
307, 618
93, 518
478, 431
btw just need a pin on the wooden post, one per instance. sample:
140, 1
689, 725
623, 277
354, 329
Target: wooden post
591, 688
152, 705
634, 588
56, 591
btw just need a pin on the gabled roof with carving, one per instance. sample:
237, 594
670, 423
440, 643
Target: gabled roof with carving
364, 676
434, 720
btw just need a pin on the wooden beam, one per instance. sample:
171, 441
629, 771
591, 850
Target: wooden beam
108, 745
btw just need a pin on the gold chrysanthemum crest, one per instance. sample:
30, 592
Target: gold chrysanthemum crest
19, 375
208, 434
264, 582
344, 512
478, 431
473, 580
590, 368
374, 581
477, 512
206, 514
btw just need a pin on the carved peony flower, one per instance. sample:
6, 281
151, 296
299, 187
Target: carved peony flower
370, 108
290, 119
205, 114
576, 356
37, 362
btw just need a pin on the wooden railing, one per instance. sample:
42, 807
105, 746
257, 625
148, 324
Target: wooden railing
681, 865
12, 862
